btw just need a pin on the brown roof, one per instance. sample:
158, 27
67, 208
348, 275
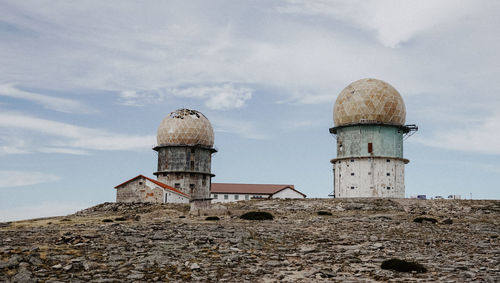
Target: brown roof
259, 189
156, 182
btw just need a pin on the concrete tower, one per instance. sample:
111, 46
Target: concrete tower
369, 117
185, 146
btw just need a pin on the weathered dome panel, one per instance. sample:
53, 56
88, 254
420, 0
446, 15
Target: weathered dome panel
185, 127
369, 101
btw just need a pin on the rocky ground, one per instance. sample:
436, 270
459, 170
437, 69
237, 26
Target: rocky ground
149, 243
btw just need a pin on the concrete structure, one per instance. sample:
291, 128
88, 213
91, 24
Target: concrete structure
369, 117
144, 189
185, 146
223, 192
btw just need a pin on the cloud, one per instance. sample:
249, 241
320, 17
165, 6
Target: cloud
53, 103
478, 136
45, 209
218, 97
245, 129
393, 21
221, 97
66, 138
9, 179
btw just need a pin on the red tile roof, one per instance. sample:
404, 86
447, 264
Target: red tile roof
262, 189
155, 182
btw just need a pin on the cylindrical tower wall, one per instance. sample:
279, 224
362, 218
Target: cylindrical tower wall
184, 159
369, 140
186, 168
369, 177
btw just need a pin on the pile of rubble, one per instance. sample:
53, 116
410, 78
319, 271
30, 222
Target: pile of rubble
105, 244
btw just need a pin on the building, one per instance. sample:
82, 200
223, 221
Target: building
144, 189
223, 192
369, 125
185, 146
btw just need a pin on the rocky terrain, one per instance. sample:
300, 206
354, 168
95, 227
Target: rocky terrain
149, 243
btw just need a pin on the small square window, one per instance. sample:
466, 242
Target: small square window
352, 174
352, 160
388, 188
388, 160
388, 174
352, 188
226, 197
247, 197
140, 183
192, 150
236, 197
216, 196
177, 185
369, 173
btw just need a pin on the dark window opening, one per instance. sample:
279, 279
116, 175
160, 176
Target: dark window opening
140, 183
192, 150
388, 160
352, 174
388, 174
352, 188
191, 188
236, 197
177, 185
370, 147
352, 160
192, 165
388, 188
204, 177
226, 197
369, 173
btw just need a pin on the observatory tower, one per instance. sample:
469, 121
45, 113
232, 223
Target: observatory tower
185, 146
369, 124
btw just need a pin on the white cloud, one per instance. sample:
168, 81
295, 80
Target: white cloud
9, 179
54, 103
245, 129
70, 139
218, 97
45, 209
393, 21
481, 136
221, 97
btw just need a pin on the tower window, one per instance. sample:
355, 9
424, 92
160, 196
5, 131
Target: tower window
204, 177
388, 174
370, 147
352, 188
352, 160
388, 160
369, 173
388, 188
177, 185
192, 165
352, 174
192, 150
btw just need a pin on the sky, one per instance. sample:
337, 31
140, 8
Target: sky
84, 86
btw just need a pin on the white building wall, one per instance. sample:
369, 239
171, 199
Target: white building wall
168, 196
221, 197
369, 177
287, 193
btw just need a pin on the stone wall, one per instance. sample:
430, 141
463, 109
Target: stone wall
139, 191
